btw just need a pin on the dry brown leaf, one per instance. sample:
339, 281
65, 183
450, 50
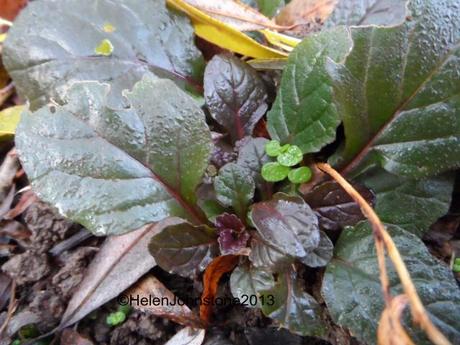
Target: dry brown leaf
120, 262
235, 14
27, 199
9, 9
305, 14
152, 290
218, 267
390, 331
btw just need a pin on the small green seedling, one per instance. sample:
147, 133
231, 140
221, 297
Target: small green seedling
456, 267
287, 156
118, 317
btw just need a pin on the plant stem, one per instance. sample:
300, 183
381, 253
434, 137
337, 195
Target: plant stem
382, 238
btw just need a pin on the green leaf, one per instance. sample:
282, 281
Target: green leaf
367, 12
235, 95
293, 309
43, 55
321, 255
291, 157
287, 223
270, 7
235, 188
300, 175
184, 249
303, 113
121, 168
352, 290
247, 281
398, 93
274, 172
410, 204
273, 148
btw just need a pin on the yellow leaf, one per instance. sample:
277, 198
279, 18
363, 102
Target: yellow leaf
224, 35
9, 119
2, 37
282, 41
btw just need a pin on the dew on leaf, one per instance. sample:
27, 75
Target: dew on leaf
104, 48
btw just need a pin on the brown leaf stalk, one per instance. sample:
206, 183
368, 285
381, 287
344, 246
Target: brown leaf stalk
384, 240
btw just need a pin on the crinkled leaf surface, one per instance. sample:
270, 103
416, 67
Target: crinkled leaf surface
121, 168
232, 234
366, 12
294, 309
413, 205
322, 254
252, 156
334, 207
235, 188
60, 46
398, 93
264, 255
303, 113
235, 95
287, 223
248, 280
183, 248
352, 290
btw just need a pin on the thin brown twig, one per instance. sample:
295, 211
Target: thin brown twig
419, 312
11, 307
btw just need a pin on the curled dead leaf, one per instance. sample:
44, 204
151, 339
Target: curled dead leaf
164, 302
215, 270
305, 14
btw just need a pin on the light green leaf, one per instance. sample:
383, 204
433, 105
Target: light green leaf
274, 172
300, 175
291, 157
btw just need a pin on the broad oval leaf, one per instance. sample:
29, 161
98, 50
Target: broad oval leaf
304, 113
352, 290
287, 223
252, 156
398, 93
321, 255
413, 205
247, 281
334, 207
235, 188
265, 256
121, 168
235, 95
367, 12
44, 57
184, 249
293, 308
